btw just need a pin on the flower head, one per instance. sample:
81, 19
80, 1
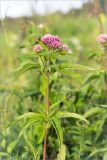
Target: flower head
102, 38
37, 48
51, 41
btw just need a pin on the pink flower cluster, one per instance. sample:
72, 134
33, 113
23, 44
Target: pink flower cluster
51, 41
102, 38
37, 48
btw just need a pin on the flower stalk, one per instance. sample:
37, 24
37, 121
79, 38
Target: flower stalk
47, 111
53, 44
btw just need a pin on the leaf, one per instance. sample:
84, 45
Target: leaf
27, 115
42, 113
57, 126
40, 129
11, 146
100, 127
91, 77
92, 55
3, 154
23, 56
105, 156
23, 67
92, 111
36, 152
54, 77
27, 126
102, 105
70, 115
96, 151
76, 66
55, 104
3, 143
62, 153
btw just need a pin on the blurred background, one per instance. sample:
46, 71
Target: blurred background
16, 8
77, 22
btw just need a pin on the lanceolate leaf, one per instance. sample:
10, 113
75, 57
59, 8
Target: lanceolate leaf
55, 104
91, 77
75, 66
57, 126
3, 154
62, 153
102, 105
25, 66
96, 151
27, 115
11, 146
105, 156
70, 115
28, 57
27, 126
36, 152
92, 111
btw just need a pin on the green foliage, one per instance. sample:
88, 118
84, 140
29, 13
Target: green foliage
70, 115
57, 126
77, 92
23, 67
62, 153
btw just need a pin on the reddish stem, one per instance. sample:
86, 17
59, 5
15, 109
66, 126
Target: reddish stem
47, 110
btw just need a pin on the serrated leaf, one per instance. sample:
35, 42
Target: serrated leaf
70, 115
58, 129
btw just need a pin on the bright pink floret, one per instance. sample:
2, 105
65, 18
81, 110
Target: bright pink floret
51, 41
102, 38
37, 48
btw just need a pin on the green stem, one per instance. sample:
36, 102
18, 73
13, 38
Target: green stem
47, 93
47, 110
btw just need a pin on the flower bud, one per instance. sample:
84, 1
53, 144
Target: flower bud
102, 38
37, 48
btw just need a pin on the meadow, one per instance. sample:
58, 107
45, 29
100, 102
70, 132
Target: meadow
77, 87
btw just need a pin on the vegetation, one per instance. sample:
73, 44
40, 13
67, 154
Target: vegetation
39, 92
